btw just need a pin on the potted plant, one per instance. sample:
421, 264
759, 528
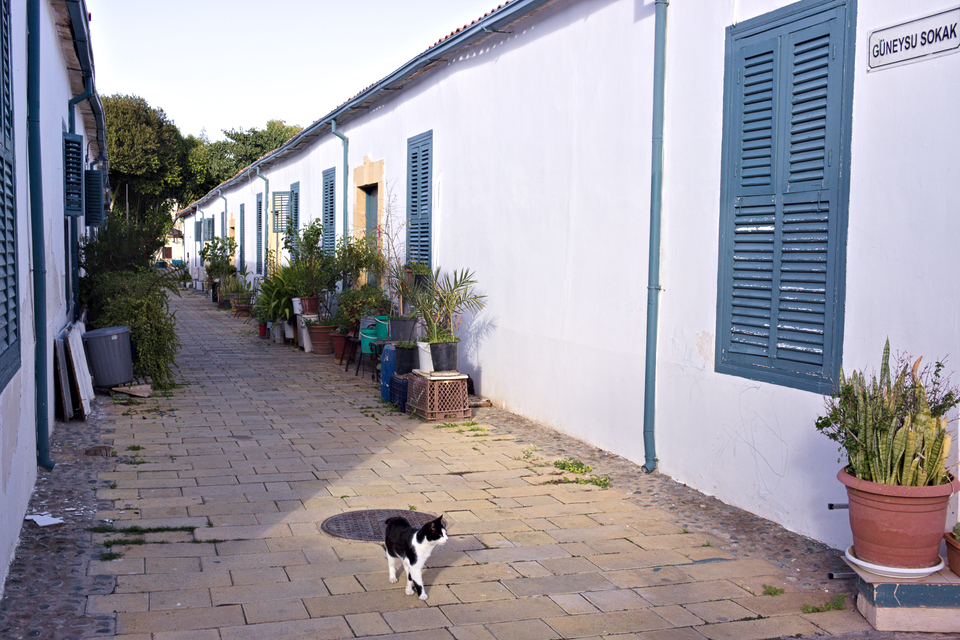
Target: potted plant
313, 273
407, 357
238, 290
441, 303
217, 256
953, 549
893, 432
321, 335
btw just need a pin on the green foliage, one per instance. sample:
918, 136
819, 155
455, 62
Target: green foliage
573, 466
356, 256
834, 605
355, 303
893, 431
769, 590
275, 301
956, 531
313, 272
442, 301
118, 246
139, 300
601, 481
217, 256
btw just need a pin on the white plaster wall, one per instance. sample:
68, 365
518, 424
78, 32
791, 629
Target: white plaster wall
753, 444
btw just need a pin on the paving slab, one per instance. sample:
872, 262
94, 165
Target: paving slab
263, 442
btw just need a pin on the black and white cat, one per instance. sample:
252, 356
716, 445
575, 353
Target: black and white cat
411, 548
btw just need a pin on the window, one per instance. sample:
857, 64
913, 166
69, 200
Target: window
198, 231
93, 197
72, 174
784, 193
9, 296
294, 207
419, 197
242, 257
208, 229
259, 233
281, 211
223, 224
329, 210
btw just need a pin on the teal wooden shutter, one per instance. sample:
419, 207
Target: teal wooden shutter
223, 224
294, 207
259, 233
329, 212
280, 212
198, 231
94, 202
9, 298
208, 229
419, 197
783, 227
243, 256
72, 174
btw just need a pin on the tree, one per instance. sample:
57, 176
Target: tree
146, 154
246, 147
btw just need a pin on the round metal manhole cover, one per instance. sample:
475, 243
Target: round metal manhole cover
368, 526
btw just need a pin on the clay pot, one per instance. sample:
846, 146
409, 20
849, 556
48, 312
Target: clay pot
953, 553
310, 306
896, 526
320, 339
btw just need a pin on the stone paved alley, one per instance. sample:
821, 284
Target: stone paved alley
263, 442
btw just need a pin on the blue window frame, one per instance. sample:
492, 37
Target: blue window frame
784, 194
9, 295
259, 233
329, 210
419, 197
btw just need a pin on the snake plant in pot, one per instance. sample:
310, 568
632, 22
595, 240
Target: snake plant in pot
893, 430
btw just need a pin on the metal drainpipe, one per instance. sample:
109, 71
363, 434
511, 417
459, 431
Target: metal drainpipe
653, 270
35, 169
223, 231
74, 222
346, 170
266, 210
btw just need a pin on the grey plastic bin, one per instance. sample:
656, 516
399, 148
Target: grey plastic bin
109, 355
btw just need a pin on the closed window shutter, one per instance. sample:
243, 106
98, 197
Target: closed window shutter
9, 298
259, 233
419, 197
328, 213
72, 174
280, 212
223, 224
198, 231
294, 208
94, 202
779, 271
242, 257
208, 229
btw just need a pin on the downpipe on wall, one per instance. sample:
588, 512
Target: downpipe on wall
653, 270
35, 170
346, 171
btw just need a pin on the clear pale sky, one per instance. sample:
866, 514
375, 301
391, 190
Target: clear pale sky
229, 64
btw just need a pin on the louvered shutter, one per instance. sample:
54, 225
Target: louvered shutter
280, 212
223, 224
208, 229
779, 282
72, 174
198, 231
419, 197
9, 298
294, 209
94, 203
259, 233
328, 213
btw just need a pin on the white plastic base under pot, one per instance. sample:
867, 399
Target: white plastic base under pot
891, 572
426, 360
304, 333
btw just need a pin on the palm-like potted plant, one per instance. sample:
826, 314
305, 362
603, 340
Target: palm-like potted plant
440, 302
217, 256
894, 434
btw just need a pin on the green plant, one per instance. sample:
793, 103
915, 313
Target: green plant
441, 302
956, 531
893, 431
368, 299
769, 590
238, 283
217, 256
312, 271
573, 466
834, 605
356, 257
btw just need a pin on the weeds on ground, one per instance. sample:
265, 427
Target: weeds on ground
769, 590
834, 605
573, 466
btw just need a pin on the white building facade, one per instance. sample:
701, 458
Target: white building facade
808, 213
53, 157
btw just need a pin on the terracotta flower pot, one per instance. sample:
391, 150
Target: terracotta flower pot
320, 339
953, 553
310, 306
896, 526
339, 344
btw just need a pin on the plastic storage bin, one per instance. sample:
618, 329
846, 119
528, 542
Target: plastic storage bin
383, 327
109, 355
388, 365
398, 392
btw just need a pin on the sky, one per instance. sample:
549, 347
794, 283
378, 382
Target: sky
230, 64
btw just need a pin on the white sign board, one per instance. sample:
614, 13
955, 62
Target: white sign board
930, 36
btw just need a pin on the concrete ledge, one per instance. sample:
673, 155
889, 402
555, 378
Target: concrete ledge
930, 605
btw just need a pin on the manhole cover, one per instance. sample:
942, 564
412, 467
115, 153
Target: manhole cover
368, 525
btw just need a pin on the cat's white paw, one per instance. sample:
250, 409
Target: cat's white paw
409, 591
394, 579
423, 596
